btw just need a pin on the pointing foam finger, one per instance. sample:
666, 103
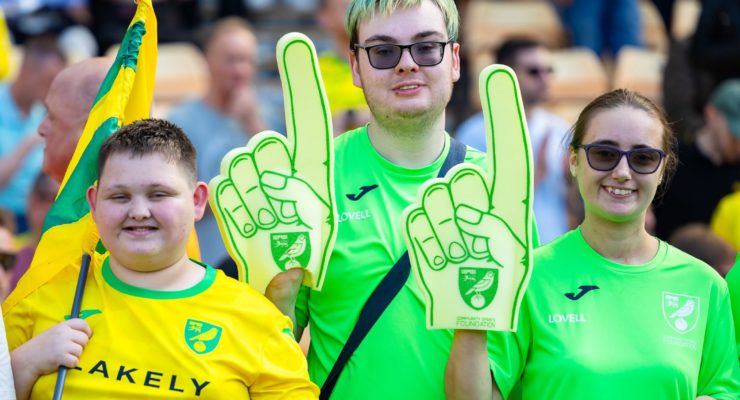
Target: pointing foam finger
307, 114
509, 150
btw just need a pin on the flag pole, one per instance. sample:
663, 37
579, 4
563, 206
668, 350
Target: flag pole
76, 305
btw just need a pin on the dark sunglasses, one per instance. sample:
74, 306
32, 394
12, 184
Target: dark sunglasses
602, 157
537, 71
7, 260
387, 56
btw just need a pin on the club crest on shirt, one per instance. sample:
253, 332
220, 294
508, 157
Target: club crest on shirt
201, 337
290, 250
477, 286
681, 311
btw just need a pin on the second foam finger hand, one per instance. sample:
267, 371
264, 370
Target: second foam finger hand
245, 178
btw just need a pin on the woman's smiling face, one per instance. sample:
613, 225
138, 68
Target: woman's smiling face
621, 194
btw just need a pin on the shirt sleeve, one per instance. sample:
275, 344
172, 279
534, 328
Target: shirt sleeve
301, 307
719, 375
19, 324
284, 373
6, 374
733, 284
508, 352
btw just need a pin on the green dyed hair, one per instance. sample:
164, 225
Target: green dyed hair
360, 10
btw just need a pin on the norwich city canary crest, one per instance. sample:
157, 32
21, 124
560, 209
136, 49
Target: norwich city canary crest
477, 286
290, 250
201, 337
680, 311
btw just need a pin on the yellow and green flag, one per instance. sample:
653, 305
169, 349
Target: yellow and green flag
124, 96
5, 47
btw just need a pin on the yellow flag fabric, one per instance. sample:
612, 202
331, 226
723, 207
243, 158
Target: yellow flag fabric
5, 47
124, 96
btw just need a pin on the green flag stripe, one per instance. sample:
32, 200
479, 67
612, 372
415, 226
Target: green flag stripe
127, 56
71, 204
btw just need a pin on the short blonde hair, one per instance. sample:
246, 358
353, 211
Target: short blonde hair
359, 10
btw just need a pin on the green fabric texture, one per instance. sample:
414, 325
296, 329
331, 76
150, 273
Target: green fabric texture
400, 358
733, 284
633, 337
123, 287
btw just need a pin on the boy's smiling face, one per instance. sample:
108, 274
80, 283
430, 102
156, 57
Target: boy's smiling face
144, 208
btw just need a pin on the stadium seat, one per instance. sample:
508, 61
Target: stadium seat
578, 76
488, 23
641, 70
181, 73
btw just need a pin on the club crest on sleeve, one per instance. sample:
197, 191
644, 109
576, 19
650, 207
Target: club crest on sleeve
477, 286
201, 337
290, 250
681, 311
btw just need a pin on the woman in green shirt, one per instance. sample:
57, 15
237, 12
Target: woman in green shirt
611, 312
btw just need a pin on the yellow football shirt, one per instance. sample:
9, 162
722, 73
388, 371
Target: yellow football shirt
342, 93
217, 340
726, 219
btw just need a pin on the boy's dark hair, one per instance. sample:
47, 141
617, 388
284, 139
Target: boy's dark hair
149, 136
509, 50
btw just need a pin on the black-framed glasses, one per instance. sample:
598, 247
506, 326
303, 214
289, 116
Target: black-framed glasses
387, 56
602, 157
537, 71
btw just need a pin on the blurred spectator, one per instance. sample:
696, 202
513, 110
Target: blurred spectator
726, 220
601, 25
708, 168
715, 48
665, 9
68, 103
42, 196
697, 240
532, 63
176, 20
697, 65
348, 107
21, 112
226, 117
680, 91
7, 250
37, 17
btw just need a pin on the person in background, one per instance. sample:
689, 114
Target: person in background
710, 165
347, 102
604, 26
725, 221
699, 241
532, 63
43, 193
21, 112
226, 117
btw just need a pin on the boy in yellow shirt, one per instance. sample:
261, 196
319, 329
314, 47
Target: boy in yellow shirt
164, 325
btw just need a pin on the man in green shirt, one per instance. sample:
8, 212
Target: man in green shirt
405, 59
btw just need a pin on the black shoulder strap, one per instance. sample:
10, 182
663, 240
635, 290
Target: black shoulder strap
387, 289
